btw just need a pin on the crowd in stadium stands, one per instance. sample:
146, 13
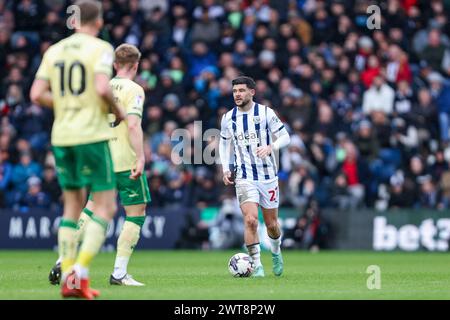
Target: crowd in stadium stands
368, 110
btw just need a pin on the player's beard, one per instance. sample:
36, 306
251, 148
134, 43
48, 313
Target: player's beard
244, 104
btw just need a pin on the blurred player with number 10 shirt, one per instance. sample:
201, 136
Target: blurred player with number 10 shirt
127, 150
73, 79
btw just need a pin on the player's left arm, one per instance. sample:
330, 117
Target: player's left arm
135, 132
279, 131
40, 92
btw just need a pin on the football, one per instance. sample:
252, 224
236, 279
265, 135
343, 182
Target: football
240, 265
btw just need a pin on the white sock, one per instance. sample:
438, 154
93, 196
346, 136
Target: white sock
81, 272
254, 251
58, 261
120, 267
275, 245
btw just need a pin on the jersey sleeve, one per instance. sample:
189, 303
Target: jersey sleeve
226, 150
275, 124
135, 103
104, 61
224, 132
44, 70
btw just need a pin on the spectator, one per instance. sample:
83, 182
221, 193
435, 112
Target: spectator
379, 98
200, 58
321, 23
147, 77
354, 170
439, 165
28, 16
5, 176
325, 120
322, 151
310, 231
206, 29
435, 51
398, 67
228, 227
429, 196
301, 187
444, 185
161, 160
32, 123
341, 198
50, 186
441, 94
414, 173
177, 70
158, 23
157, 189
355, 88
15, 77
180, 33
292, 157
424, 116
54, 29
214, 10
205, 192
403, 99
24, 170
372, 70
149, 6
167, 87
176, 192
366, 141
404, 137
399, 196
34, 198
163, 137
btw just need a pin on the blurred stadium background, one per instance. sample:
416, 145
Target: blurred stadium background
368, 111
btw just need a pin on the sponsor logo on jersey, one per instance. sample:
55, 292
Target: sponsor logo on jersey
247, 139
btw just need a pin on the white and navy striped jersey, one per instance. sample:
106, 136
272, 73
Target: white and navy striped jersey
249, 130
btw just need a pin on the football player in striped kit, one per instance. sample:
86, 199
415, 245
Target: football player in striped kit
252, 134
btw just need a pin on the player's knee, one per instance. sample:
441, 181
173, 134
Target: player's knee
108, 209
274, 232
272, 226
251, 223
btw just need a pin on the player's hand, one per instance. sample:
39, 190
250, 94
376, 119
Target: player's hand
263, 151
138, 170
227, 178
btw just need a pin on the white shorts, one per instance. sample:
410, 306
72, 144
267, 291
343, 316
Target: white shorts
266, 194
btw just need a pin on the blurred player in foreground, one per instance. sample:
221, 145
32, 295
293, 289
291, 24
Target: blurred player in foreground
73, 78
127, 151
249, 128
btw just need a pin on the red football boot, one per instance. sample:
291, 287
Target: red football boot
69, 288
94, 292
78, 288
86, 292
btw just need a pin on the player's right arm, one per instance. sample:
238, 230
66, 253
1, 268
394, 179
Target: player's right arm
225, 151
40, 93
103, 75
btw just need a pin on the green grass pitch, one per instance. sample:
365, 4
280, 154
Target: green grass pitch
202, 275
